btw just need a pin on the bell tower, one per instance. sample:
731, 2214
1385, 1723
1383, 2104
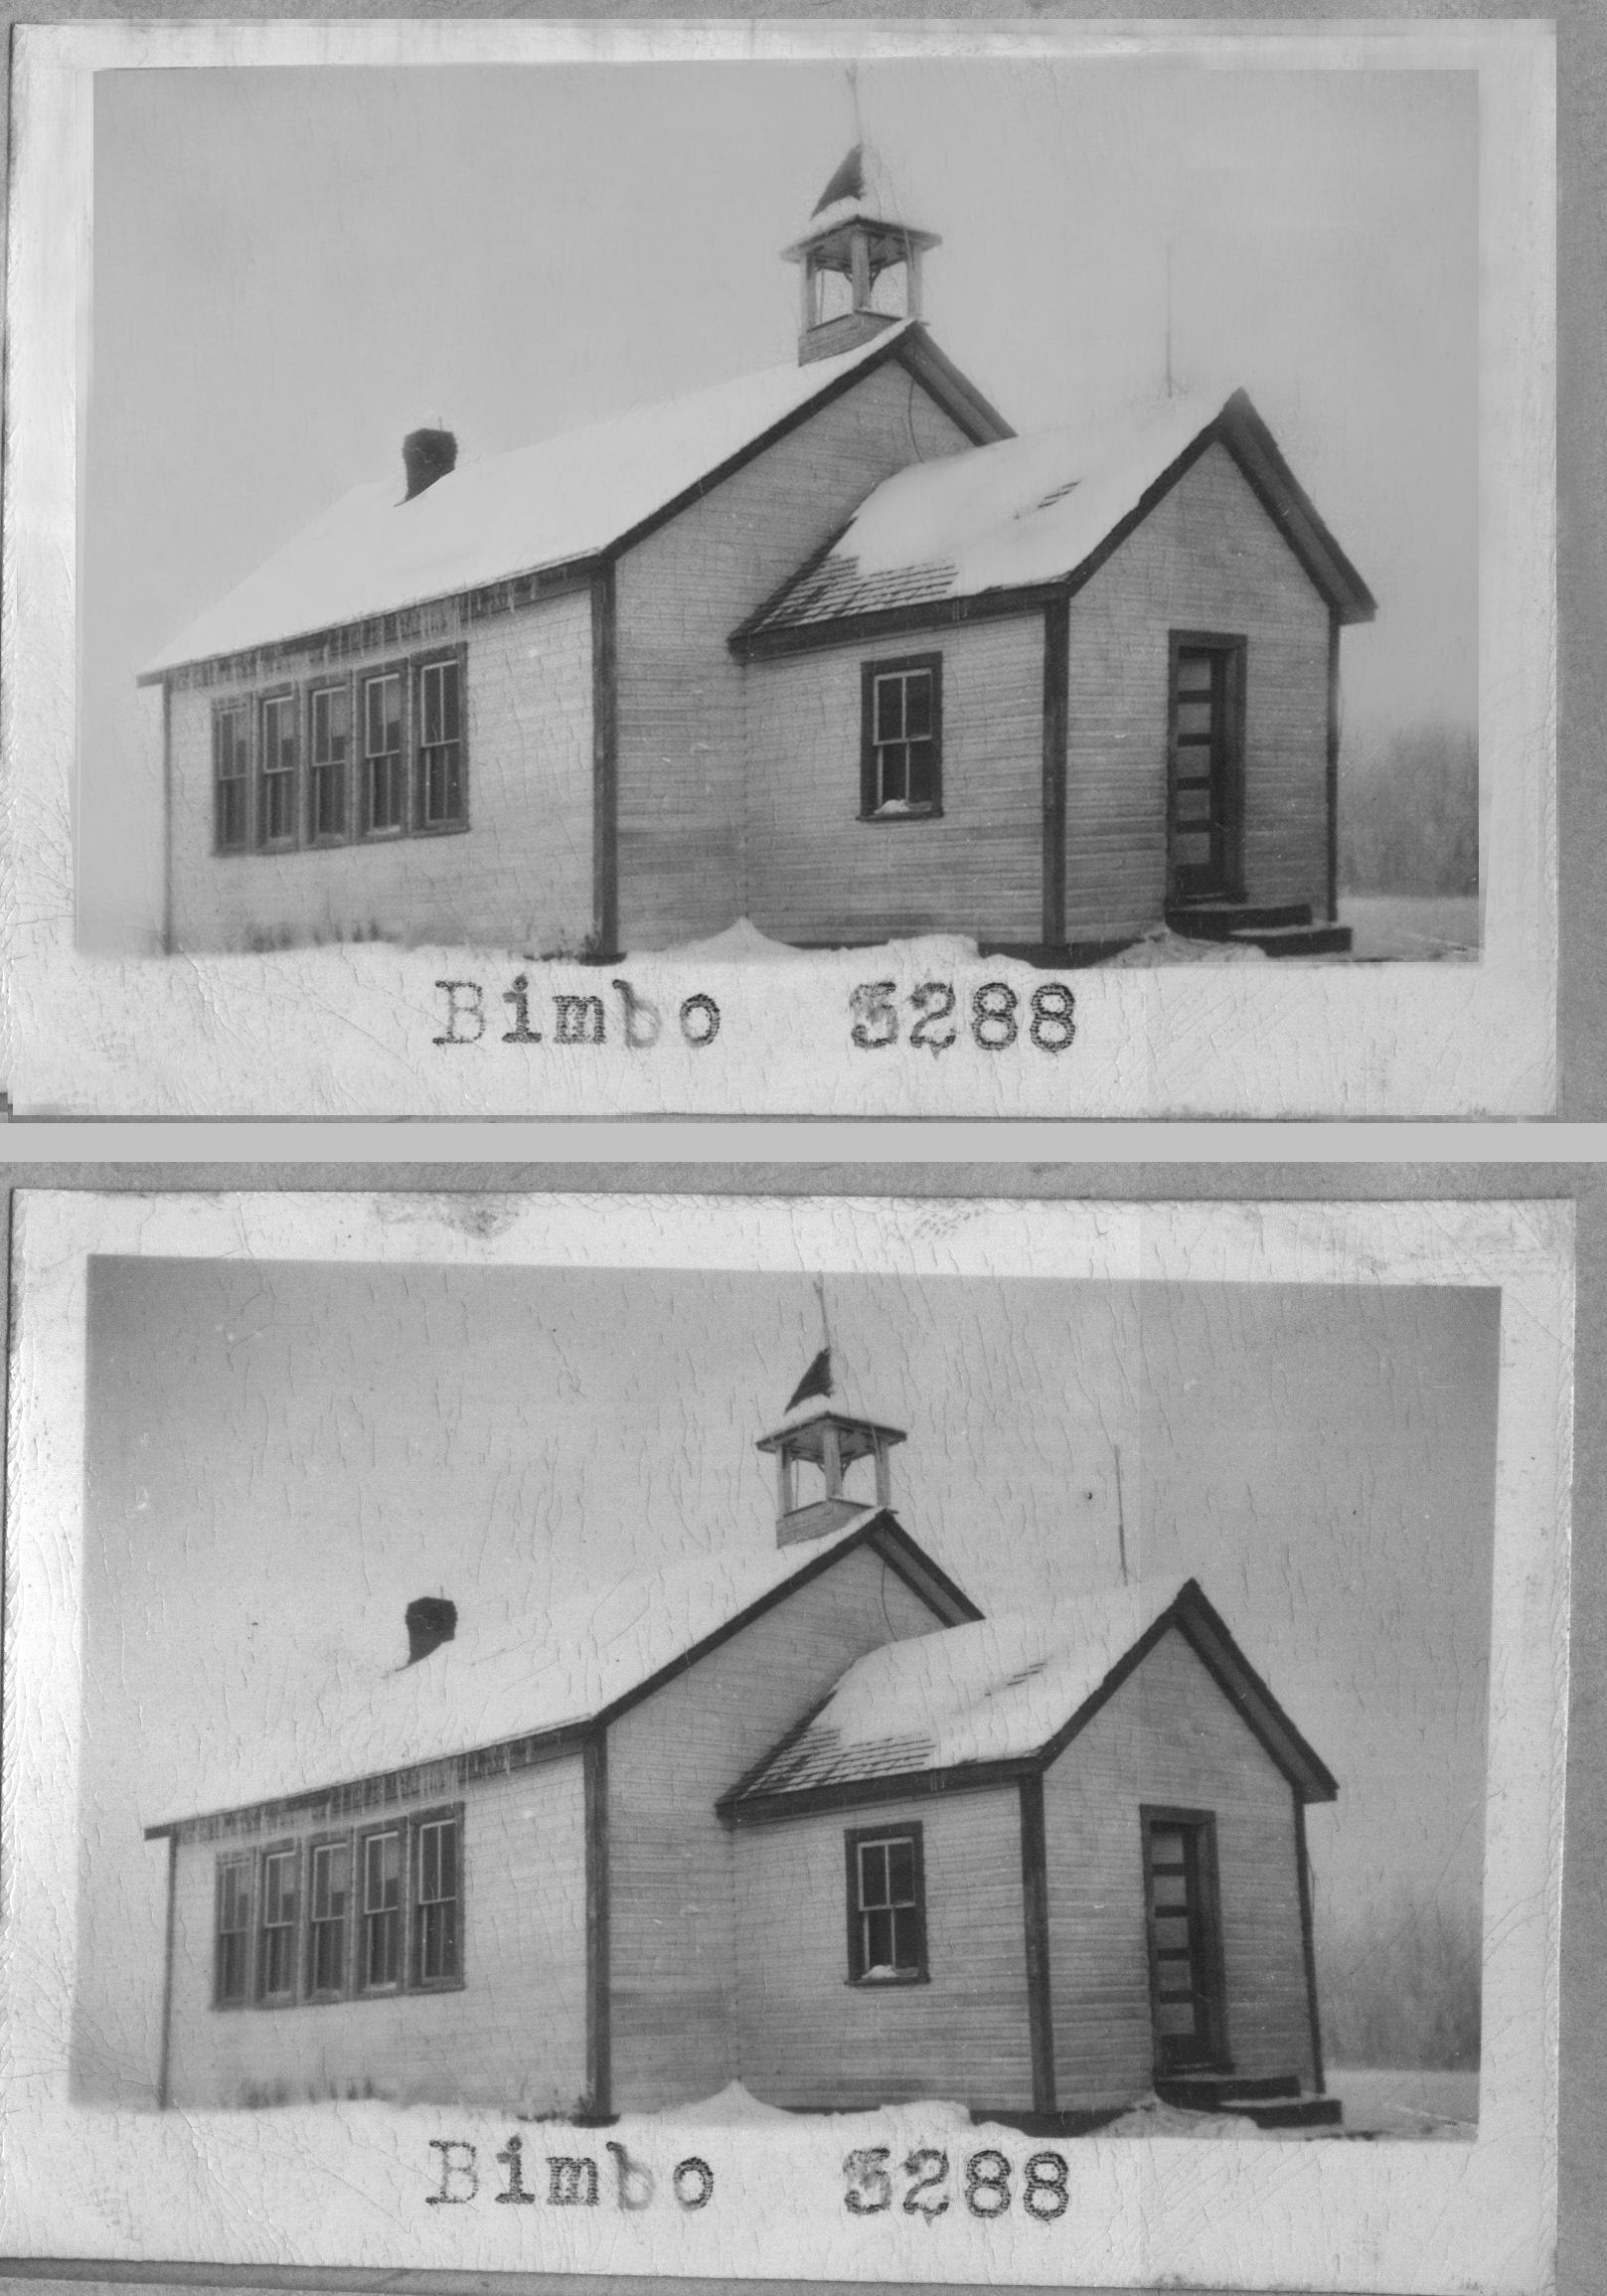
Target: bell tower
859, 265
814, 1450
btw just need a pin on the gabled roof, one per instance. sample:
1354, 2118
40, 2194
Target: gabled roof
1025, 517
1003, 1698
564, 501
581, 1664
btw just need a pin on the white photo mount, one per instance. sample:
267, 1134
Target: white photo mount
367, 2184
378, 1029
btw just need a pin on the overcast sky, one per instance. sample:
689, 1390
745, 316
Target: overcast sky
282, 1457
294, 267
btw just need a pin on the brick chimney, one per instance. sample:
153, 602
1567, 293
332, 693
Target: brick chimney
425, 456
431, 1620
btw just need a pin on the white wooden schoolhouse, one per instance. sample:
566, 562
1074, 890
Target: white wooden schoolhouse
796, 1816
825, 647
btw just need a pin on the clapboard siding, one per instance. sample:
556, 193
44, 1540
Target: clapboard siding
672, 1945
520, 877
513, 2035
818, 873
1206, 558
680, 593
809, 2036
1168, 1735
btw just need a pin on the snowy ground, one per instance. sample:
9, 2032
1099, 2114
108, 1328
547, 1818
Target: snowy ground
1387, 924
1398, 2104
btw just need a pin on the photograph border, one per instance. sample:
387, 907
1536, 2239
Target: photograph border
106, 1036
1482, 2214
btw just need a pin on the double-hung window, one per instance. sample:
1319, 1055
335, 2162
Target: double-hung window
232, 775
382, 1910
331, 749
276, 1978
902, 739
440, 745
385, 763
886, 1906
330, 1891
231, 1961
277, 822
435, 1902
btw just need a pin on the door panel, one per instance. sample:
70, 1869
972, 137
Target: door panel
1205, 768
1184, 1929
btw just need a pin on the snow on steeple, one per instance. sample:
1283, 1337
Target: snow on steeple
858, 264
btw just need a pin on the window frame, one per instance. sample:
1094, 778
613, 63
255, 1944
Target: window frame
312, 1991
869, 673
314, 836
447, 1814
291, 1994
227, 1858
420, 665
243, 705
364, 831
361, 1988
273, 697
853, 1838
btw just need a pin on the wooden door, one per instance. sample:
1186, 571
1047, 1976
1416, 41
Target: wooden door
1205, 721
1183, 1925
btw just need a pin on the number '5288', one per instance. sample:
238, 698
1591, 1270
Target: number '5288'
994, 1022
985, 2183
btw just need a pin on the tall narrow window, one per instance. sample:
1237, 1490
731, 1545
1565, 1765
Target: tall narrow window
436, 1925
901, 737
330, 1888
277, 780
382, 1910
440, 753
232, 1962
278, 1979
232, 776
385, 803
886, 1906
331, 749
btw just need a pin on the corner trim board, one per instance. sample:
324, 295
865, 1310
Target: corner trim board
1308, 1945
1036, 1908
600, 2051
1057, 717
606, 759
1332, 763
163, 2070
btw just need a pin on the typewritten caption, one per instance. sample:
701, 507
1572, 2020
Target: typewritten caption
931, 1018
929, 2182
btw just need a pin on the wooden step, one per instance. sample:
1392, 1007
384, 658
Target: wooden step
1292, 940
1307, 2113
1207, 2093
1219, 919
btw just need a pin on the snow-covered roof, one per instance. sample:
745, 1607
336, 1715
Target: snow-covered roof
548, 505
1027, 512
489, 1686
999, 1690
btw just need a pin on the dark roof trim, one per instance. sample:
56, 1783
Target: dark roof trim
863, 1793
910, 348
397, 626
752, 644
1238, 428
884, 1534
350, 1795
1201, 1626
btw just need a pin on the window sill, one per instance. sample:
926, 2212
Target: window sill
888, 1984
887, 820
441, 828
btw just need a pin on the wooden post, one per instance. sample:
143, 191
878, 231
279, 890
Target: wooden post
912, 283
162, 2077
599, 2047
1056, 705
884, 1475
1308, 1944
831, 1459
806, 295
859, 257
1332, 763
783, 1484
1036, 1901
604, 762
